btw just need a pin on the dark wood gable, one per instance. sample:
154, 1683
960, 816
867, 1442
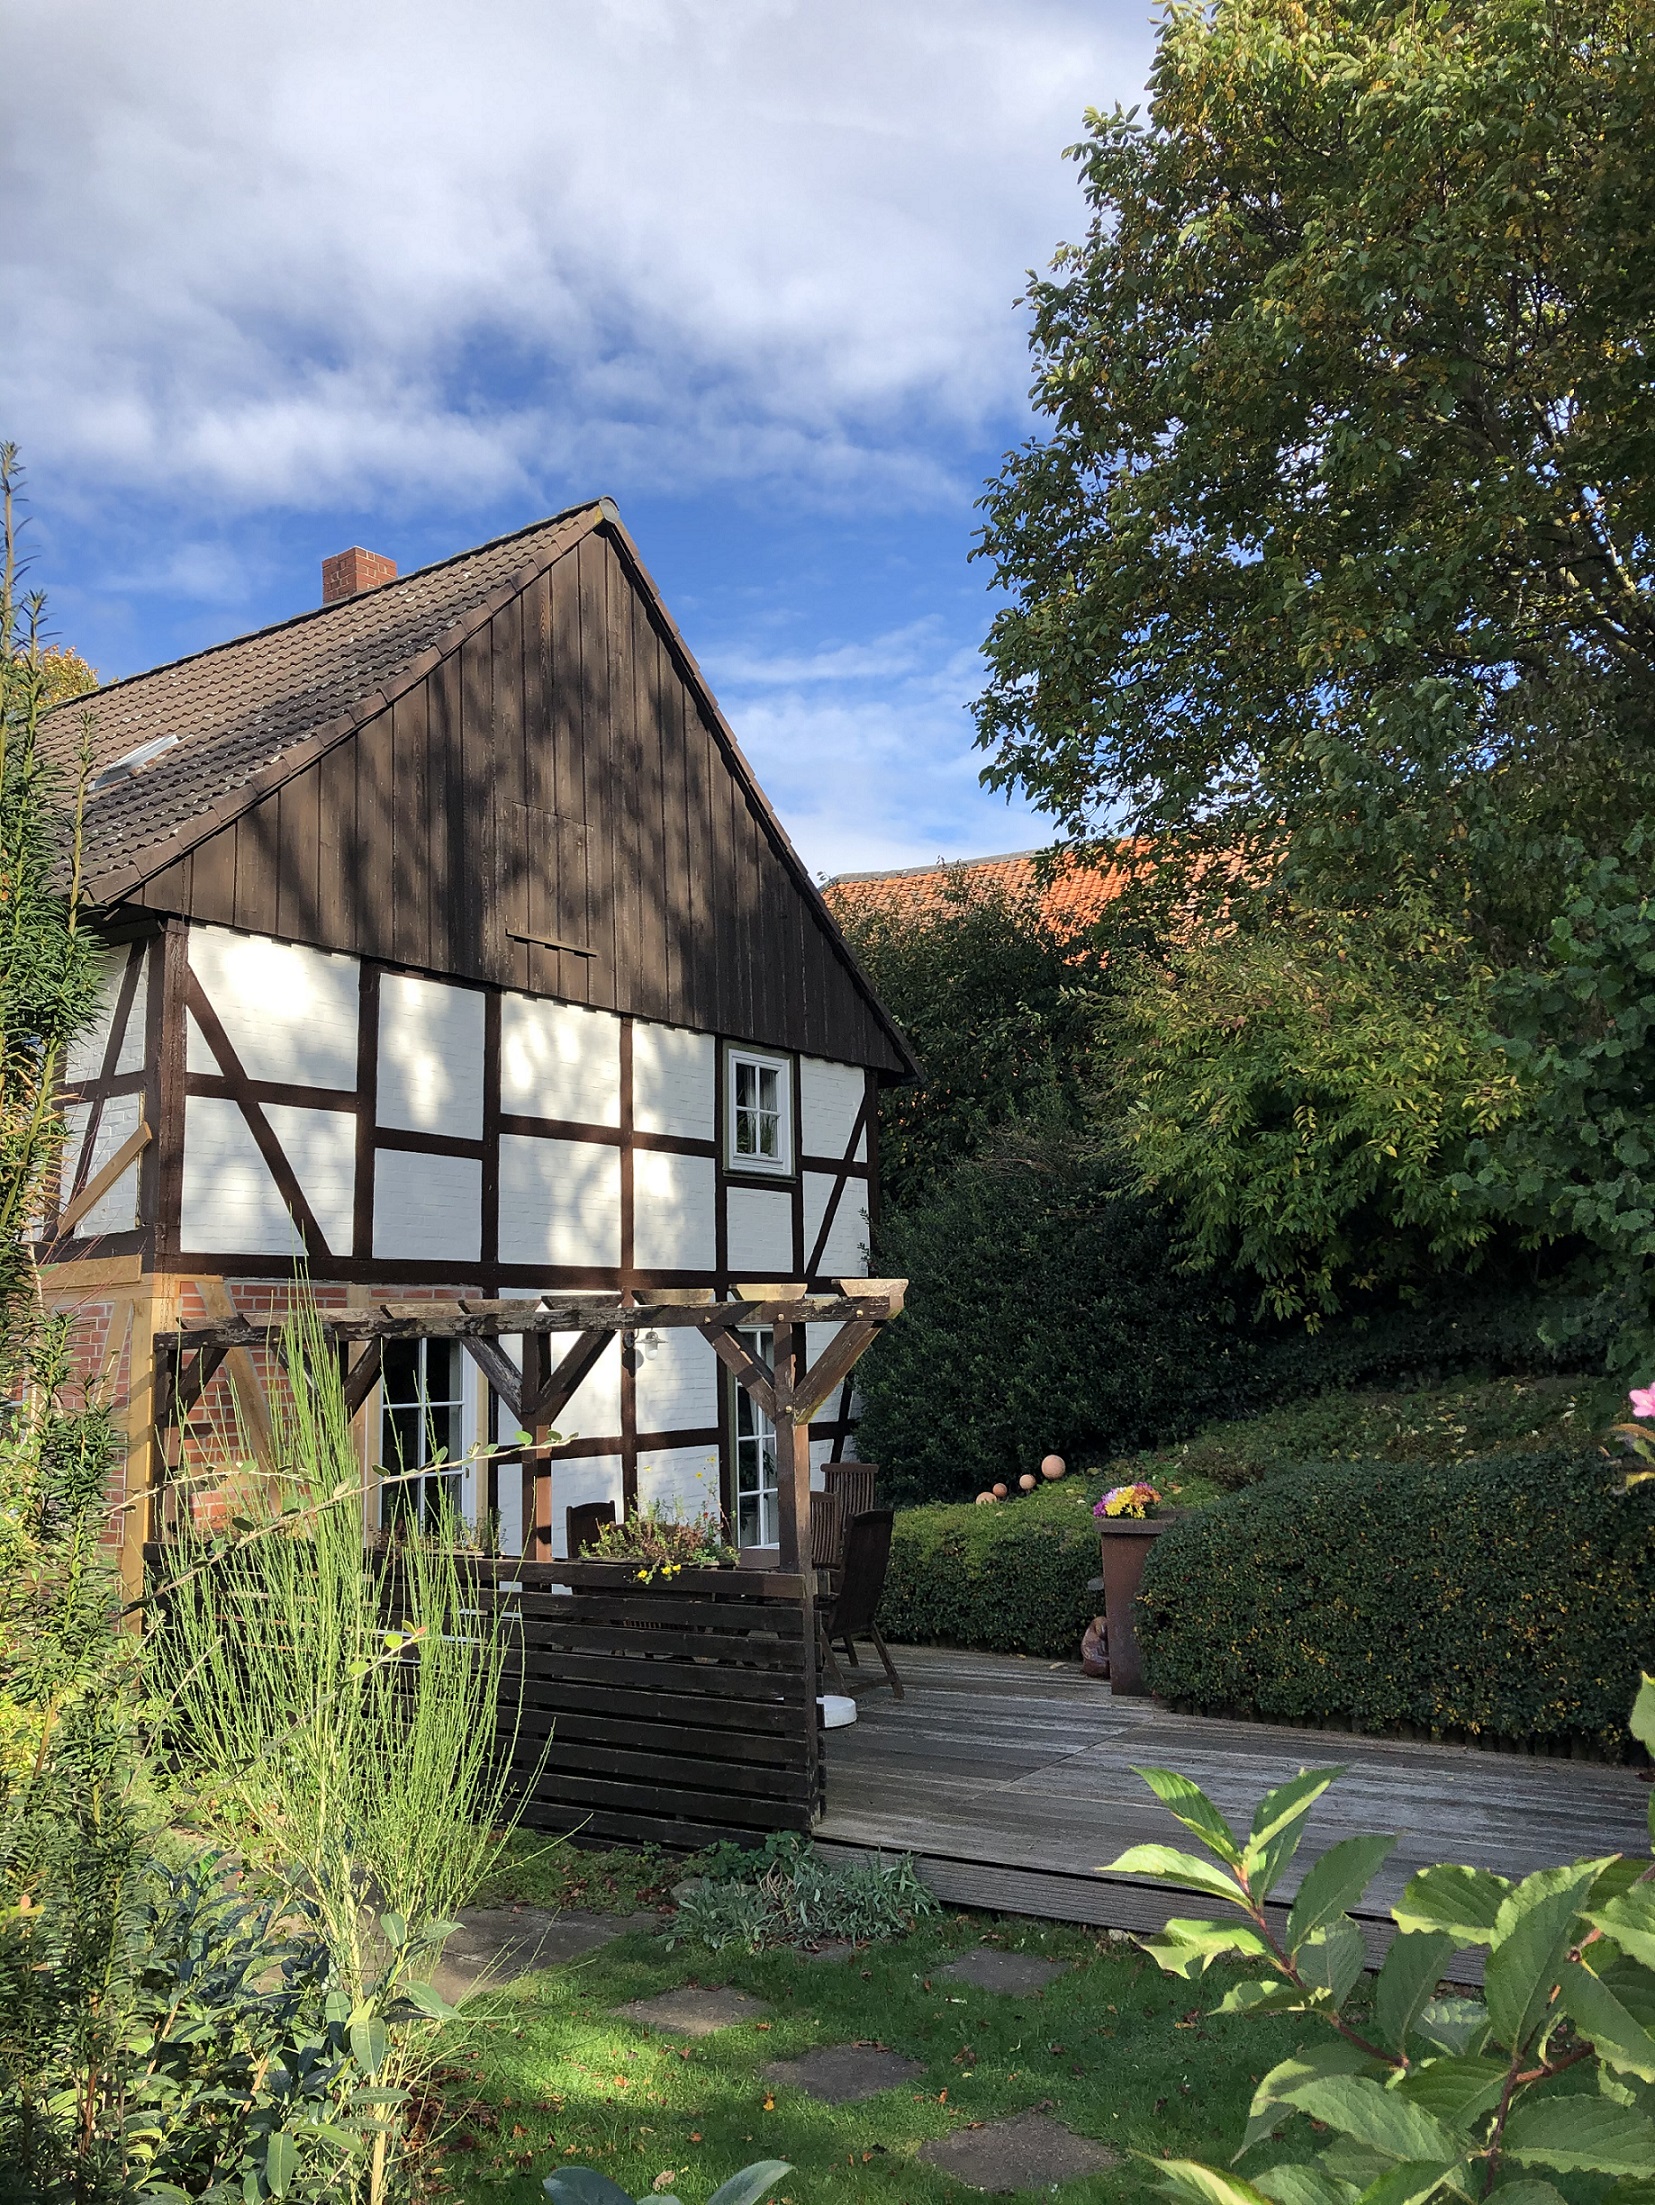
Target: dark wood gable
555, 806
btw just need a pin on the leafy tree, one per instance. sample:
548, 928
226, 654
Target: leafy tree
1311, 1093
1001, 1009
1338, 544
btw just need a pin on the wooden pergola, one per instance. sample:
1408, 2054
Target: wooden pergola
789, 1392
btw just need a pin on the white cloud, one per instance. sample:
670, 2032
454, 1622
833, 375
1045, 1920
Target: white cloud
876, 769
292, 252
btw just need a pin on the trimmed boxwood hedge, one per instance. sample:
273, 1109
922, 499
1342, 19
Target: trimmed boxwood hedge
1008, 1580
1507, 1598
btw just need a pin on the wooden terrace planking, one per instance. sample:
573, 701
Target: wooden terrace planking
1012, 1781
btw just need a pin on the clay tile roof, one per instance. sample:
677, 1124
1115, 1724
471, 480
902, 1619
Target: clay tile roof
240, 710
1069, 903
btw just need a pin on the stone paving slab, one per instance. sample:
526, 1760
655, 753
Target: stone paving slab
497, 1944
694, 2012
1031, 2151
839, 2074
1017, 1973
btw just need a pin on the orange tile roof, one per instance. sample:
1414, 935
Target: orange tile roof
1072, 901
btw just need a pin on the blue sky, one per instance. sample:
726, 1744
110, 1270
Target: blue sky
304, 273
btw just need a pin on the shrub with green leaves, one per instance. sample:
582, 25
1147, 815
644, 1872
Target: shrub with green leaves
784, 1893
1426, 2096
1436, 1425
1006, 1580
585, 2186
1502, 1598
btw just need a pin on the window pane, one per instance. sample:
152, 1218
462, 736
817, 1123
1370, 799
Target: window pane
400, 1370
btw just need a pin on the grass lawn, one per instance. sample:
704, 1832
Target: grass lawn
1112, 2048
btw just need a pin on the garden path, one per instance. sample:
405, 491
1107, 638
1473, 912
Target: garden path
1011, 1781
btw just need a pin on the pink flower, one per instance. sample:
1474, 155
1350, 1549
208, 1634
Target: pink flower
1642, 1399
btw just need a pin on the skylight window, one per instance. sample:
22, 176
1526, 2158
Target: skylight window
124, 768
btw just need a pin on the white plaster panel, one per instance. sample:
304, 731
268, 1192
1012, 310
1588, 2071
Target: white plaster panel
680, 1481
560, 1201
559, 1061
830, 1095
230, 1201
290, 1013
116, 1209
427, 1209
674, 1076
759, 1233
678, 1384
83, 1058
430, 1057
845, 1255
674, 1214
320, 1146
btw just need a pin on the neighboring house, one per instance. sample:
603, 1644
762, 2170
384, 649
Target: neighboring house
454, 950
1072, 899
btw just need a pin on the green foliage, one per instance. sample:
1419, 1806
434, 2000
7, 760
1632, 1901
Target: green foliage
1580, 1031
238, 2077
1502, 1598
1044, 1311
1427, 2096
336, 1709
585, 2186
1307, 1090
1047, 1310
1006, 1580
47, 970
783, 1894
1001, 1012
1437, 1427
1339, 528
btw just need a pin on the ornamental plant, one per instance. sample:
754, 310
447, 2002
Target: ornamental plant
1138, 1501
1639, 1443
664, 1545
1425, 2095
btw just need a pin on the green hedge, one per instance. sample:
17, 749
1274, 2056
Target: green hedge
1507, 1598
1048, 1310
1007, 1580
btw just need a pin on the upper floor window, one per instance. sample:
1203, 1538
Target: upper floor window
758, 1112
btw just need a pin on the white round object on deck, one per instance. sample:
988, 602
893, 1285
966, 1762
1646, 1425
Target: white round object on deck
838, 1709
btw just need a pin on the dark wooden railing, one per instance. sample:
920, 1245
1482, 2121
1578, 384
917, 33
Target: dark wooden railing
678, 1712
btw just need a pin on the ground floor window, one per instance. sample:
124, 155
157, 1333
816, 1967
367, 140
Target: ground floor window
421, 1424
757, 1522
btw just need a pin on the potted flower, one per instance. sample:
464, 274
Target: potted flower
1129, 1517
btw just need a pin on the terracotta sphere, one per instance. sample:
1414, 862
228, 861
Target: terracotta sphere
987, 1500
1028, 1482
999, 1492
1053, 1466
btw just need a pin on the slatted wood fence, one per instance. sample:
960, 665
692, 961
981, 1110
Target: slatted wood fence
678, 1712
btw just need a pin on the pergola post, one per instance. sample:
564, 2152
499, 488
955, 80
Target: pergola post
792, 1450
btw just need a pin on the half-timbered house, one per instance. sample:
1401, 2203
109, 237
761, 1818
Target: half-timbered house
452, 949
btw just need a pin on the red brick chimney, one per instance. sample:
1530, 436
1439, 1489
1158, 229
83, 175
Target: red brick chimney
347, 572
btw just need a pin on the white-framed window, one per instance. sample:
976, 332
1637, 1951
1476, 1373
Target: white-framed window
756, 1520
421, 1428
758, 1112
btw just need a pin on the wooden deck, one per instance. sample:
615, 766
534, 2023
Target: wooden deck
1011, 1781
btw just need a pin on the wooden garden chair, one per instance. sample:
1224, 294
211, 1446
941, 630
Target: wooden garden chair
851, 1613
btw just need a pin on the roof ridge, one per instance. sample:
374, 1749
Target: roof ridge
938, 865
316, 612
